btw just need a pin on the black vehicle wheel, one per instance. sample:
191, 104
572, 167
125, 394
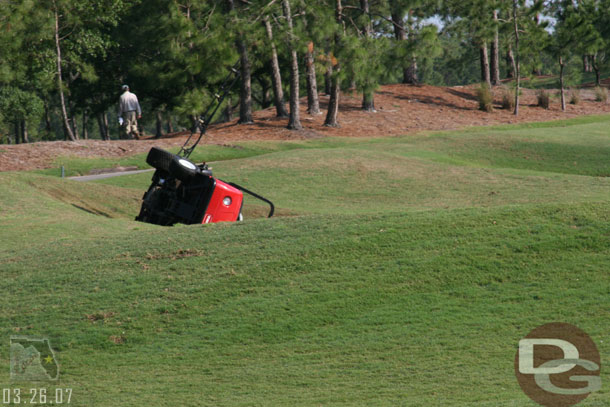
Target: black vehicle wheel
159, 158
183, 169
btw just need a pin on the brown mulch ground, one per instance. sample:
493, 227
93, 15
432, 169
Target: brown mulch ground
401, 109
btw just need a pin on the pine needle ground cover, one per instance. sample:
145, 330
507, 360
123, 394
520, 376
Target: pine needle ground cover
401, 271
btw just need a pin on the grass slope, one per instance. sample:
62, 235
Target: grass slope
414, 268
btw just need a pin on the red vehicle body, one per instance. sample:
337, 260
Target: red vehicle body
225, 204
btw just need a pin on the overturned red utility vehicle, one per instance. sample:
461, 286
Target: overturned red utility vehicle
184, 192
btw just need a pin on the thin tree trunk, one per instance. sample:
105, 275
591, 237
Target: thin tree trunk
561, 84
276, 78
294, 122
17, 132
245, 99
159, 124
170, 126
60, 87
595, 66
245, 102
333, 103
24, 132
313, 101
485, 76
410, 73
85, 131
517, 67
328, 77
400, 35
107, 131
585, 63
368, 96
265, 100
510, 61
73, 122
228, 111
103, 127
495, 53
47, 119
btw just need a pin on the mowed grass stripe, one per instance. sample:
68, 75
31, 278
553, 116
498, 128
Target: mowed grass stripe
393, 304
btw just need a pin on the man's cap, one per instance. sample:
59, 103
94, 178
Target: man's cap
124, 87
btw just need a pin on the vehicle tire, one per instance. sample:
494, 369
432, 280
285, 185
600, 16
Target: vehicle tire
159, 159
183, 169
240, 217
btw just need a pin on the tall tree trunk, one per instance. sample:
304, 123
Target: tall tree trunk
60, 87
495, 53
333, 103
103, 126
313, 101
265, 92
85, 131
245, 101
561, 84
485, 76
596, 69
47, 119
105, 117
73, 122
170, 126
585, 64
328, 76
294, 122
401, 35
368, 96
510, 61
24, 132
517, 67
17, 132
159, 124
276, 78
410, 75
228, 111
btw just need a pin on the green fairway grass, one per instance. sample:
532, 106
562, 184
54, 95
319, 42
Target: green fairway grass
401, 271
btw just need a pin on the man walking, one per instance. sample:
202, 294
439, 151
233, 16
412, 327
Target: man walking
129, 113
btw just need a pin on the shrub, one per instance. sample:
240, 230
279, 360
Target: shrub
508, 98
544, 98
601, 94
485, 98
575, 96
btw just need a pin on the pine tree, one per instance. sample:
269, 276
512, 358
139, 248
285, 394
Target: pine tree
294, 122
335, 65
276, 78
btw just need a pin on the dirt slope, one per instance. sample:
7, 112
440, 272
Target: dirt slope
401, 109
